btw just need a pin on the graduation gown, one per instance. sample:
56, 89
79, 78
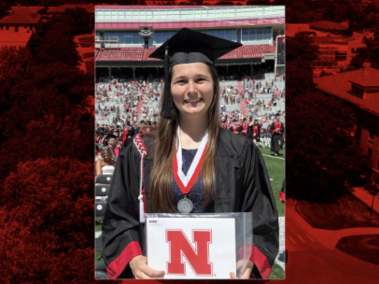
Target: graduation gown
243, 185
255, 133
243, 129
277, 139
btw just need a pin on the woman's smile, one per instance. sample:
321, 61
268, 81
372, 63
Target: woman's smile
193, 101
192, 89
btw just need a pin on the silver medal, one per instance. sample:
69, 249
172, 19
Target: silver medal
185, 205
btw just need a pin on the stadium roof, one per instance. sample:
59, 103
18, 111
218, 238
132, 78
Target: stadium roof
343, 87
327, 25
22, 17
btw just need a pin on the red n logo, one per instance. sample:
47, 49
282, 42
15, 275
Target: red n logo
197, 257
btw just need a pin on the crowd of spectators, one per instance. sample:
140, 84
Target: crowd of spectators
135, 110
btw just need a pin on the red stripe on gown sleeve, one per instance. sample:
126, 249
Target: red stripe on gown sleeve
118, 265
258, 258
282, 196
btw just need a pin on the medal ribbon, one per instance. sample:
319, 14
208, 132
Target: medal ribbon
185, 182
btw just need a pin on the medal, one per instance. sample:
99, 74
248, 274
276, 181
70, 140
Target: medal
185, 205
185, 182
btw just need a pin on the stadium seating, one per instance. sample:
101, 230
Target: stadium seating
100, 272
102, 189
121, 54
104, 179
140, 53
147, 52
230, 55
256, 50
99, 210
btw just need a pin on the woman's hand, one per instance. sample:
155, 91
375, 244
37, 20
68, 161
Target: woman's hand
141, 271
246, 273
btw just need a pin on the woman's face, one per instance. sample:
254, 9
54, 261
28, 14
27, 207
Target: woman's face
192, 89
107, 157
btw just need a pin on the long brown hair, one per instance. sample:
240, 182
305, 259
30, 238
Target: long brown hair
165, 138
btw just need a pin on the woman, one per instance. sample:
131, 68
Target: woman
105, 164
232, 178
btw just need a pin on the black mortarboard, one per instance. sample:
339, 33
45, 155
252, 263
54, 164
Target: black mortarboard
111, 136
188, 46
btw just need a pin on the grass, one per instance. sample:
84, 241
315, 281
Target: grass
98, 227
347, 212
277, 272
365, 247
276, 171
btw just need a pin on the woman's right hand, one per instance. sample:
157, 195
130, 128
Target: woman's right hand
141, 271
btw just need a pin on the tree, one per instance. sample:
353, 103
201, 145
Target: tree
320, 154
369, 53
258, 2
4, 7
296, 16
373, 189
49, 209
301, 6
301, 47
301, 79
57, 46
82, 20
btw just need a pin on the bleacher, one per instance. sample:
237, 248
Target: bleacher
256, 50
230, 55
116, 54
140, 53
147, 52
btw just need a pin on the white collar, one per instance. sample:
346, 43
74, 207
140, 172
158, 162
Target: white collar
186, 178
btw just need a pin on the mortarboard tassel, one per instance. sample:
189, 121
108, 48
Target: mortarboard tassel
166, 108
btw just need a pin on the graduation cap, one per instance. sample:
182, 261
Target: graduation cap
111, 136
188, 46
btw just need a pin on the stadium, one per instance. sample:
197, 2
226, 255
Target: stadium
252, 77
126, 36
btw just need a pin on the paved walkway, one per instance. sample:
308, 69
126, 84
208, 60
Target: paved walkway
366, 197
327, 238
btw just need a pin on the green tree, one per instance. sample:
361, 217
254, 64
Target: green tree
4, 7
321, 155
81, 20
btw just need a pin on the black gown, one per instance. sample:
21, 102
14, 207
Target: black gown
243, 185
277, 140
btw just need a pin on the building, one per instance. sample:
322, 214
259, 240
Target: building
336, 47
126, 36
21, 38
22, 18
85, 48
359, 91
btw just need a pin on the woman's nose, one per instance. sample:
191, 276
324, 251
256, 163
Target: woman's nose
191, 87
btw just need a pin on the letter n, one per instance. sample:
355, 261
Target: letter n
198, 257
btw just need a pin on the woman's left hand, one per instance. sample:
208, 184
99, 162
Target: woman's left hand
246, 273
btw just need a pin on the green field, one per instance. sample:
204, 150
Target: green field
276, 171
